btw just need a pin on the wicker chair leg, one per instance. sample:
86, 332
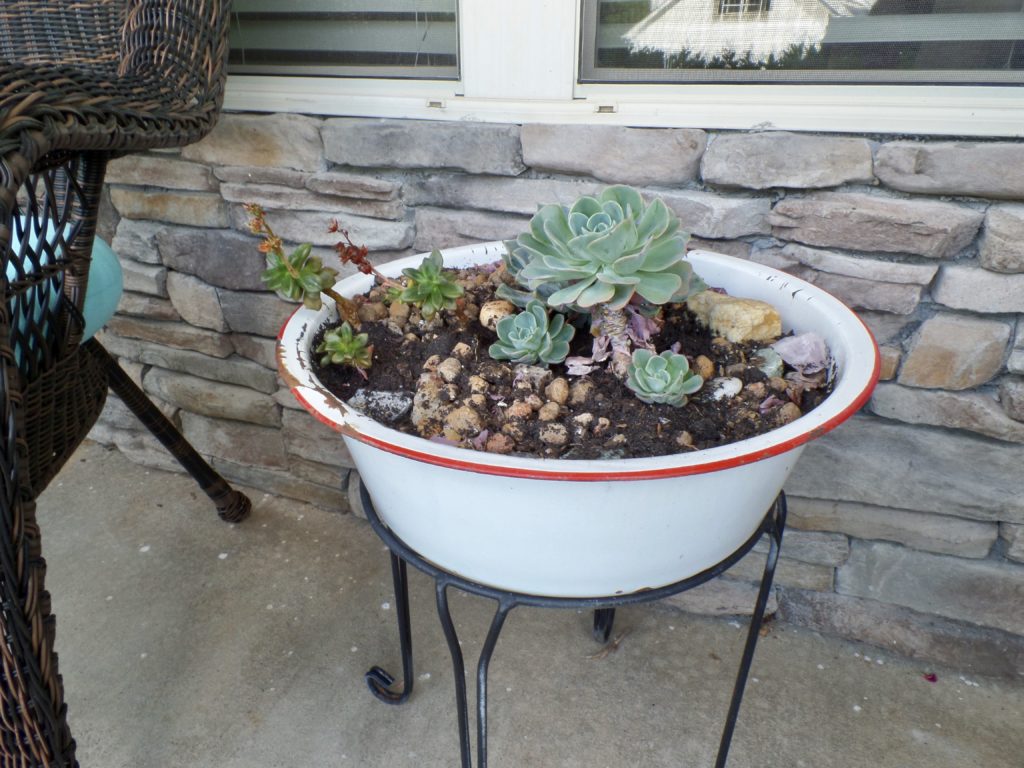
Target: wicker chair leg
232, 506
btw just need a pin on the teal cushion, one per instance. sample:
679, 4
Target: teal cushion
105, 284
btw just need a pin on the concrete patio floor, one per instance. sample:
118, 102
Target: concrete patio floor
187, 642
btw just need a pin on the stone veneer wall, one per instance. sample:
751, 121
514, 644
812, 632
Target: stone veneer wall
907, 524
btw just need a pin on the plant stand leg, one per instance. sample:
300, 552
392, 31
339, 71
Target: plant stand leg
378, 680
604, 620
775, 530
459, 669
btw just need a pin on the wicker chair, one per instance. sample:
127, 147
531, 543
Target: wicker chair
80, 83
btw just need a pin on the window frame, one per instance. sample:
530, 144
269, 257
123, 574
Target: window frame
548, 35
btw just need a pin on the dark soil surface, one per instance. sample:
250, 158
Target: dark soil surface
504, 409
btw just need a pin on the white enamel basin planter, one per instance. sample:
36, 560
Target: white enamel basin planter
580, 528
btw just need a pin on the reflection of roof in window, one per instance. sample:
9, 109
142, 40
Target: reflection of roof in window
699, 28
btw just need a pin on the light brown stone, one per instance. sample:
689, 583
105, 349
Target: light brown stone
736, 319
353, 185
144, 278
312, 227
248, 174
1002, 245
490, 148
1011, 395
235, 441
883, 463
953, 352
440, 228
196, 301
144, 305
873, 223
897, 298
274, 197
890, 362
308, 439
275, 141
954, 410
160, 171
986, 169
781, 159
1015, 363
861, 267
195, 209
921, 530
705, 214
615, 154
222, 401
168, 334
978, 591
1013, 535
962, 286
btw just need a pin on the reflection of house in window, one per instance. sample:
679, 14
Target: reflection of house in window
743, 7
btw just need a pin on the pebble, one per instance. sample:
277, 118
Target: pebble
615, 440
684, 439
549, 411
580, 391
533, 376
778, 384
736, 369
519, 410
558, 391
602, 425
554, 434
788, 412
449, 369
431, 363
371, 311
493, 311
534, 401
514, 429
584, 419
703, 367
477, 401
462, 351
499, 444
461, 423
726, 388
756, 390
494, 372
399, 312
478, 385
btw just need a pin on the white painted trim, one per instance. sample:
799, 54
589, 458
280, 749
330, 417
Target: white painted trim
919, 110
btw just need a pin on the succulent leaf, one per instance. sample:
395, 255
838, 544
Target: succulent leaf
604, 249
531, 336
342, 346
428, 287
299, 276
664, 378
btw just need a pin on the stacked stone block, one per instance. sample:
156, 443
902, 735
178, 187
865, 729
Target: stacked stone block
907, 523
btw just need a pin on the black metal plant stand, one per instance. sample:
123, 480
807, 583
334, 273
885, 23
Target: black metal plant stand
381, 682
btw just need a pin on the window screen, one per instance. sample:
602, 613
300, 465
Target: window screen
897, 41
356, 38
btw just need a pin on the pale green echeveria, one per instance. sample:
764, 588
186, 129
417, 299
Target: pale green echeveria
664, 378
604, 250
530, 337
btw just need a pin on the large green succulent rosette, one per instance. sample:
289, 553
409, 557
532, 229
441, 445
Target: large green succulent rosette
604, 250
